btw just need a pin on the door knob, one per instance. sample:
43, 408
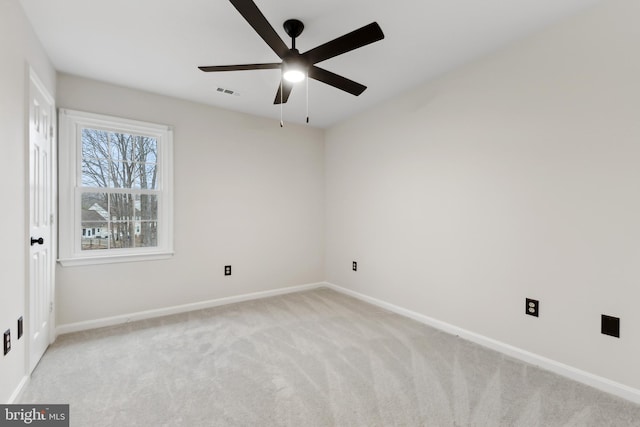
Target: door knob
39, 241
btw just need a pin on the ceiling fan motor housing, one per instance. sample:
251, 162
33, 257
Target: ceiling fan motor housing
293, 60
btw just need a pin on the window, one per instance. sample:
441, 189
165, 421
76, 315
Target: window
115, 189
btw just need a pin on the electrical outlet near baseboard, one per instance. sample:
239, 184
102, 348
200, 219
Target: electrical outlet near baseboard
20, 327
355, 266
532, 307
7, 341
227, 270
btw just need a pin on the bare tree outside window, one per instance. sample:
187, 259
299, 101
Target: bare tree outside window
123, 169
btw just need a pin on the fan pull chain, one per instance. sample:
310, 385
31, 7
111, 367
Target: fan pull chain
281, 121
307, 97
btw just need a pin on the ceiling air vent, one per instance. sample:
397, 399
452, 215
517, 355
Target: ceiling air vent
228, 91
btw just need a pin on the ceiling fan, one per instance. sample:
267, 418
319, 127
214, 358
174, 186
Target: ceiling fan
296, 66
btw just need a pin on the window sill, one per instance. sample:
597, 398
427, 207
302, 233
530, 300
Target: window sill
112, 259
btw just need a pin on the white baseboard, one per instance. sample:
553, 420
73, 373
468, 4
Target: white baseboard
149, 314
601, 383
19, 389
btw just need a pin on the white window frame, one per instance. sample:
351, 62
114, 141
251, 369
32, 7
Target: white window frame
70, 191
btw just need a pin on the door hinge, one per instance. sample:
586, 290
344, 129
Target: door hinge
51, 219
51, 132
51, 307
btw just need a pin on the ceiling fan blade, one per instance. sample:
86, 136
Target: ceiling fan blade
353, 40
336, 80
286, 91
241, 67
256, 19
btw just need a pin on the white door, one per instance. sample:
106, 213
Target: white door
41, 219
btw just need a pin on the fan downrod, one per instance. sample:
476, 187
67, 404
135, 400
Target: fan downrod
293, 28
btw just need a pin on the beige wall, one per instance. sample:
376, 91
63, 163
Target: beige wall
19, 48
516, 176
247, 193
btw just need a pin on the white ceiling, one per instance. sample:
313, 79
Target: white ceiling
156, 45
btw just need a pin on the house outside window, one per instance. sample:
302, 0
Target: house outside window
115, 189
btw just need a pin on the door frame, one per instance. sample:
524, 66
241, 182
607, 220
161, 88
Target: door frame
33, 79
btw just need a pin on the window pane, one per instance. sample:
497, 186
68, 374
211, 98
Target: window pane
147, 236
146, 177
146, 207
95, 173
121, 207
123, 174
146, 149
94, 222
95, 155
94, 206
94, 236
122, 234
122, 147
95, 144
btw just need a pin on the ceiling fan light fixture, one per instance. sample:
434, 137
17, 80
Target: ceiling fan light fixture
294, 75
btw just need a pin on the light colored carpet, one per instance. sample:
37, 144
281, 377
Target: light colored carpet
315, 358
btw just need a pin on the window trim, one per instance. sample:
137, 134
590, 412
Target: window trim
70, 189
